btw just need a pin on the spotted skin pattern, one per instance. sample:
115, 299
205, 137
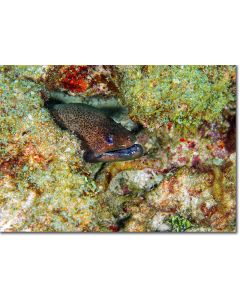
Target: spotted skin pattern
99, 133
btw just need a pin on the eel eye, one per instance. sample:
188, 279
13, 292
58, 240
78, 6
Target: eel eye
109, 139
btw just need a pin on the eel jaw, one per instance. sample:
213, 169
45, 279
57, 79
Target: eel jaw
133, 152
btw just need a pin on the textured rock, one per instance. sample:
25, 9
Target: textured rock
184, 96
186, 180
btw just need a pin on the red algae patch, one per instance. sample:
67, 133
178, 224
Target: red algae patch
83, 80
74, 78
185, 122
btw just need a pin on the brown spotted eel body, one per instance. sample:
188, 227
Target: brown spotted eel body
104, 139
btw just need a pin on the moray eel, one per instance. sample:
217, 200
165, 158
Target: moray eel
104, 140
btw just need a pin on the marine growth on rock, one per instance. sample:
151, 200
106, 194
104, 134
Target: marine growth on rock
159, 153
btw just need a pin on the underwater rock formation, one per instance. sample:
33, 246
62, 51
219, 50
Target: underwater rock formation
185, 181
181, 96
44, 185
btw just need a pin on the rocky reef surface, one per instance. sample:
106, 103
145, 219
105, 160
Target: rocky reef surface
183, 116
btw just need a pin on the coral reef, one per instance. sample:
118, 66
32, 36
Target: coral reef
181, 96
183, 116
44, 185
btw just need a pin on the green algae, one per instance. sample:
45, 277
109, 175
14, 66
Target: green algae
40, 164
46, 186
186, 96
179, 224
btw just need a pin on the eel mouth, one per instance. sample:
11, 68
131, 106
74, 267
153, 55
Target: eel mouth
133, 152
